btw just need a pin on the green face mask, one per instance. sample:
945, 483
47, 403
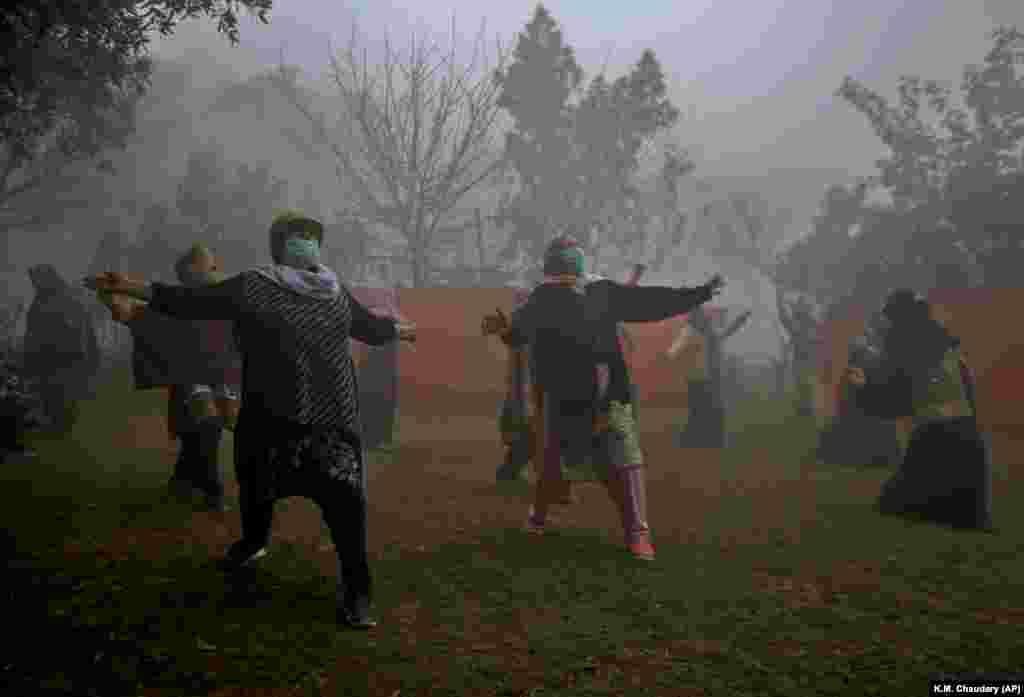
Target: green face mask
301, 253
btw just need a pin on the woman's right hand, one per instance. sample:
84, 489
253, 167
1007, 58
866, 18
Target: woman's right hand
407, 332
495, 323
855, 376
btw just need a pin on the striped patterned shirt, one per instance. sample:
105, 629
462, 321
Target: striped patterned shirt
295, 348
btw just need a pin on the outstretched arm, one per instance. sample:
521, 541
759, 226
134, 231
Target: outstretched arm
736, 325
224, 300
785, 318
683, 337
650, 303
371, 329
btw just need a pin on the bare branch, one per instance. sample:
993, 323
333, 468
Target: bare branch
422, 129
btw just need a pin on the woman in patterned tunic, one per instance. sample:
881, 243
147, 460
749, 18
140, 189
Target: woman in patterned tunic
298, 430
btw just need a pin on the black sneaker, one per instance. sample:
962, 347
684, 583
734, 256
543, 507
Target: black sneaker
356, 614
179, 489
240, 555
214, 504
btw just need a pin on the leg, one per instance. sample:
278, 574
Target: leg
516, 437
517, 457
52, 397
9, 431
257, 519
343, 506
627, 483
551, 486
183, 478
207, 464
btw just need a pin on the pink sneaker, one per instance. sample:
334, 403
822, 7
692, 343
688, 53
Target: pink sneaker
641, 547
533, 526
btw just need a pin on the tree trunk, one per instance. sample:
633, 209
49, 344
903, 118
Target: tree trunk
479, 246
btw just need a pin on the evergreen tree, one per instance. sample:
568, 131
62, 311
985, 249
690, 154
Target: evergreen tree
537, 90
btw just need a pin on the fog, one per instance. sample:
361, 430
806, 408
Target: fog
754, 82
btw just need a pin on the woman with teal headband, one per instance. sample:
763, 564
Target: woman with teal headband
580, 381
298, 431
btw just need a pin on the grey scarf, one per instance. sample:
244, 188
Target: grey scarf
322, 284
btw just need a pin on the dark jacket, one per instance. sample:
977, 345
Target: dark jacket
911, 359
582, 328
168, 351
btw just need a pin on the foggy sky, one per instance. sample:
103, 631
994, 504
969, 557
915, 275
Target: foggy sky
754, 79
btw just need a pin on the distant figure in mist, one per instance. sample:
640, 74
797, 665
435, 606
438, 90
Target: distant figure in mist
20, 407
19, 410
378, 373
803, 328
61, 348
702, 340
854, 437
922, 382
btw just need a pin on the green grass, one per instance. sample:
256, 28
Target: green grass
701, 617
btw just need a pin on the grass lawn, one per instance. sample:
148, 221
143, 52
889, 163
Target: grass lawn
110, 594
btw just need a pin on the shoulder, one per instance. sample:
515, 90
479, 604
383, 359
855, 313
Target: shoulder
603, 288
602, 285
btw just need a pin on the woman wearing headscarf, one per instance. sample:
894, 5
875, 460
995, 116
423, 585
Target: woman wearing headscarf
298, 431
922, 382
513, 419
580, 380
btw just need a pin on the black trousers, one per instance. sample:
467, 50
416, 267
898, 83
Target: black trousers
343, 506
199, 459
945, 476
705, 427
10, 430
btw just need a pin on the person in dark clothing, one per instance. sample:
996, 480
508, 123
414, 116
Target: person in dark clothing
198, 362
61, 348
581, 384
921, 379
800, 322
854, 437
298, 431
20, 408
513, 420
207, 404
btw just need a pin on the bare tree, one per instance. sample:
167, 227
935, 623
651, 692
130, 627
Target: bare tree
415, 134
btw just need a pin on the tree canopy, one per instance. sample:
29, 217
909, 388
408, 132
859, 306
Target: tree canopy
71, 73
945, 205
576, 148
